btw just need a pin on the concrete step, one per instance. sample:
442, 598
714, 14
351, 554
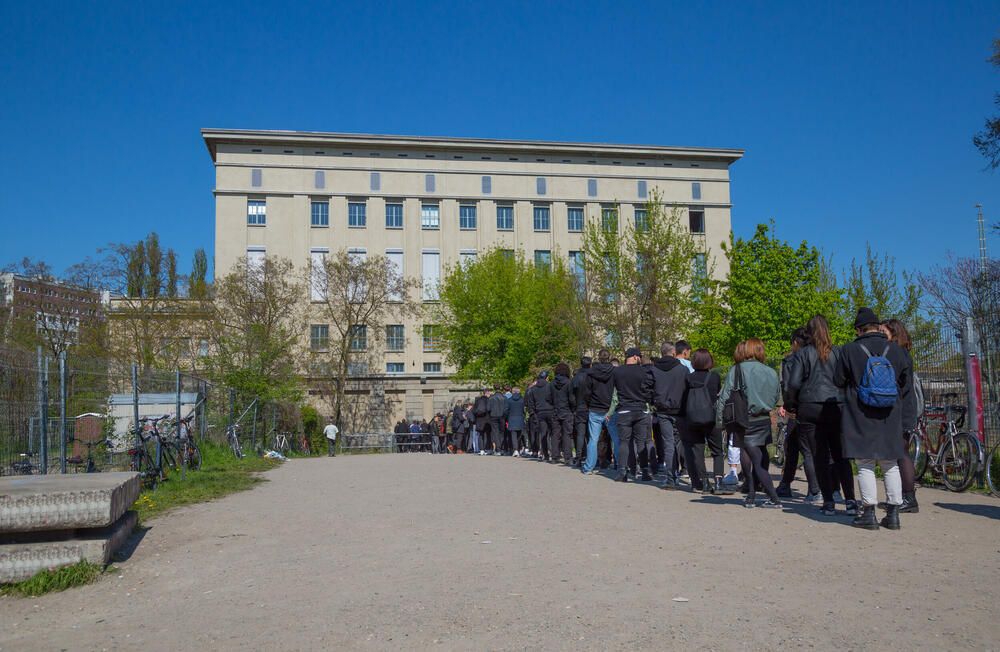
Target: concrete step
25, 553
61, 502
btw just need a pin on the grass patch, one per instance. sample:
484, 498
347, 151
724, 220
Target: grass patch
50, 581
221, 474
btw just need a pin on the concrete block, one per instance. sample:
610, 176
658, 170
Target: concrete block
26, 553
61, 502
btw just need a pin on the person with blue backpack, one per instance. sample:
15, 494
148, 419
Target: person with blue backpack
876, 375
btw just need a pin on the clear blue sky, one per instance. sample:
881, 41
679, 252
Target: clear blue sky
856, 118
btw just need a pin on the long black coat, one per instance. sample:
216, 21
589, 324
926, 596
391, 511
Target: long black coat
514, 412
870, 432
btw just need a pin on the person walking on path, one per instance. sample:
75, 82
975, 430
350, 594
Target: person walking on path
798, 439
599, 386
495, 405
513, 414
876, 376
760, 387
634, 385
669, 380
563, 406
578, 385
330, 431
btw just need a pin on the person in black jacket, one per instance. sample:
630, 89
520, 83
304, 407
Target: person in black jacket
513, 414
634, 385
598, 388
544, 412
702, 387
871, 434
457, 430
793, 441
563, 406
530, 420
669, 381
810, 386
579, 388
897, 333
495, 406
481, 412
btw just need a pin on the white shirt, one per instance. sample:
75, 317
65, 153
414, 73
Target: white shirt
331, 431
686, 363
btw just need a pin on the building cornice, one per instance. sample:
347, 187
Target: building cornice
214, 137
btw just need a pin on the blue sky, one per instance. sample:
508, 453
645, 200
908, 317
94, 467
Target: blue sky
856, 117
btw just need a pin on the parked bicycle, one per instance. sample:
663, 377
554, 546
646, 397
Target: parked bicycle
992, 465
78, 460
25, 466
149, 455
187, 451
939, 444
280, 443
232, 438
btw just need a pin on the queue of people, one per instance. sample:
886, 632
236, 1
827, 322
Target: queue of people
649, 416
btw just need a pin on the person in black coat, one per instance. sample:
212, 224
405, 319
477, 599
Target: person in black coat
634, 385
579, 389
669, 381
599, 385
495, 405
871, 434
563, 407
700, 386
542, 415
513, 414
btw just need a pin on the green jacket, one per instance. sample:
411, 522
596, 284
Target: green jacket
762, 389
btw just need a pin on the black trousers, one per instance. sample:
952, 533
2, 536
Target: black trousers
515, 439
820, 422
542, 423
792, 450
580, 430
634, 434
497, 433
560, 437
694, 440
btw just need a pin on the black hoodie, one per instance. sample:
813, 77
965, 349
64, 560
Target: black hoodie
634, 384
563, 399
599, 387
578, 385
669, 382
542, 398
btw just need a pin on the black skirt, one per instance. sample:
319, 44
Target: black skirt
758, 434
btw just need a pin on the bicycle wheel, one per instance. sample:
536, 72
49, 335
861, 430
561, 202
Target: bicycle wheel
993, 470
194, 456
779, 448
234, 444
958, 461
917, 451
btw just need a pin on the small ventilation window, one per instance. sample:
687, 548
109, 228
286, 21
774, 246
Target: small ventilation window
591, 187
540, 160
540, 185
458, 157
616, 162
256, 178
696, 190
566, 160
402, 155
348, 153
641, 163
428, 156
319, 180
255, 150
376, 181
320, 152
429, 183
695, 165
641, 189
592, 162
487, 185
289, 151
486, 158
512, 158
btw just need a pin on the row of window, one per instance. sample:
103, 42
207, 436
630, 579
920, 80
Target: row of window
57, 294
430, 216
430, 184
395, 338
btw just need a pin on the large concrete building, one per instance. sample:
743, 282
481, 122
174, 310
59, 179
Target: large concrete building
428, 202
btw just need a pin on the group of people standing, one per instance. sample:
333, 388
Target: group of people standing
658, 415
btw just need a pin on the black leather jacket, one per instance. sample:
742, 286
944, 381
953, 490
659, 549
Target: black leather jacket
812, 381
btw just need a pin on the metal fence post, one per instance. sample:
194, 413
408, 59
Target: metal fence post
135, 404
232, 405
43, 412
178, 406
253, 429
62, 411
204, 408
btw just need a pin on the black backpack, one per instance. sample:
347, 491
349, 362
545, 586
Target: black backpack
699, 408
479, 408
736, 410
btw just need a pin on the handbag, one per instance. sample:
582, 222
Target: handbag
736, 409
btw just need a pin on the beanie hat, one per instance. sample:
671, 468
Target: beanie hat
865, 316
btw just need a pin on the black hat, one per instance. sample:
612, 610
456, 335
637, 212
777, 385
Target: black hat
632, 352
543, 374
865, 316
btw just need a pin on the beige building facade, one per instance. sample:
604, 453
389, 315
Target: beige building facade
428, 203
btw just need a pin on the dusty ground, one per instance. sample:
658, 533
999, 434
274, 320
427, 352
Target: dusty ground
420, 551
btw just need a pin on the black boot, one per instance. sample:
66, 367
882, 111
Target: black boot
866, 519
909, 505
646, 477
891, 520
707, 487
717, 487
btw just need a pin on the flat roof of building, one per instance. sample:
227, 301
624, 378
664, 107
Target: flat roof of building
215, 137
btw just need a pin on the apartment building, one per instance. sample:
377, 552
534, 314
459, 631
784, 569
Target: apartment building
55, 310
427, 203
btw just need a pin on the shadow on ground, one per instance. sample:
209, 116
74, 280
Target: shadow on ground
989, 511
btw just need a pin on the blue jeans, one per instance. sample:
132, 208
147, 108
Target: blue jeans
475, 440
594, 421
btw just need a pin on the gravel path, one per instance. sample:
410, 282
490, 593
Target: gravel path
421, 551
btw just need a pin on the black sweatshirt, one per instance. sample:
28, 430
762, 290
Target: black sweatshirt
634, 384
599, 387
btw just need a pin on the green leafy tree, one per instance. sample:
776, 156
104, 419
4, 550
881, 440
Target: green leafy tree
154, 265
132, 259
198, 287
502, 316
645, 279
172, 276
772, 288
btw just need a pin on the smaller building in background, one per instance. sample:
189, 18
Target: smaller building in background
56, 311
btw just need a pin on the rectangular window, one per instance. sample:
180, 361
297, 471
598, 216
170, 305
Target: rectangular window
357, 368
575, 219
696, 190
255, 260
505, 217
541, 218
432, 367
487, 185
358, 335
357, 291
393, 216
429, 217
203, 348
395, 337
319, 337
641, 189
609, 218
375, 181
431, 274
700, 266
540, 185
543, 259
641, 220
432, 338
256, 212
256, 178
467, 217
319, 180
591, 187
696, 219
395, 367
429, 183
467, 257
394, 259
357, 214
319, 283
320, 214
576, 268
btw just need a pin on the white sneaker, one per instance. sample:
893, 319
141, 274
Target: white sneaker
516, 454
482, 452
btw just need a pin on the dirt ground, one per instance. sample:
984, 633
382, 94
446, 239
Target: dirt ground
465, 552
